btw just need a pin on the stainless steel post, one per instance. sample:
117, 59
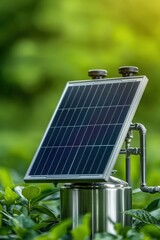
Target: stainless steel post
105, 201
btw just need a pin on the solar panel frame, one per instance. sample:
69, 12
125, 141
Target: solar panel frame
117, 146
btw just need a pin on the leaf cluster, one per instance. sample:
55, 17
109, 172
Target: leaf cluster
24, 212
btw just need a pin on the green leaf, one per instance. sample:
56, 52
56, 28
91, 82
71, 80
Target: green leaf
23, 226
1, 195
83, 230
46, 194
153, 205
60, 229
151, 230
18, 190
1, 208
31, 192
105, 236
143, 216
57, 232
5, 177
46, 224
132, 234
6, 214
120, 229
10, 196
23, 221
45, 210
10, 237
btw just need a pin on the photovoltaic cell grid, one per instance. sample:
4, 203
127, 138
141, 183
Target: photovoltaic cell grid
84, 130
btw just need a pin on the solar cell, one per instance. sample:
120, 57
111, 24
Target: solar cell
87, 130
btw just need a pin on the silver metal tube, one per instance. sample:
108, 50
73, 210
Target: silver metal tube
142, 132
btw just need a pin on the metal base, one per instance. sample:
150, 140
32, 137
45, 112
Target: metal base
105, 201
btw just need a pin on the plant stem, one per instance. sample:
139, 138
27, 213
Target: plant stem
29, 207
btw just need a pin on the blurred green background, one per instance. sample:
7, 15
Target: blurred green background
45, 43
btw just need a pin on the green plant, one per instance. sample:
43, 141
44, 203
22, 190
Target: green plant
24, 213
32, 213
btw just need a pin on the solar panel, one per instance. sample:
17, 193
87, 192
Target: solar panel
87, 130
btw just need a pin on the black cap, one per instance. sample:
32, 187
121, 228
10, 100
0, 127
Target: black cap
128, 70
97, 73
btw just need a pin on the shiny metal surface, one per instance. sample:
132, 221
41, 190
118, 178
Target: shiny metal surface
105, 201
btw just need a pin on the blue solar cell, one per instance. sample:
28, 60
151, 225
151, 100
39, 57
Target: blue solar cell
87, 130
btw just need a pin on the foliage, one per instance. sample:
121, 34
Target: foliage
45, 43
32, 213
24, 212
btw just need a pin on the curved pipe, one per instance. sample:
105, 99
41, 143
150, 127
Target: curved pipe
142, 132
